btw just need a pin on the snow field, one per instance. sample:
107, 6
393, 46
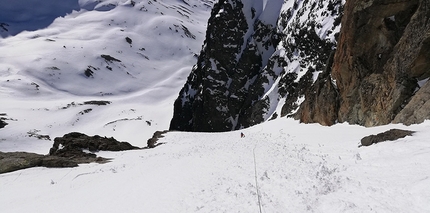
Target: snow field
300, 168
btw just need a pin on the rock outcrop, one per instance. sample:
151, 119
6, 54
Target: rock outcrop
12, 161
390, 135
73, 144
152, 142
379, 58
67, 151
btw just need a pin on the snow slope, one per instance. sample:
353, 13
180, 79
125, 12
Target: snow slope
299, 168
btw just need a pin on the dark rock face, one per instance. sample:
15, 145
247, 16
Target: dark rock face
248, 64
380, 58
72, 144
390, 135
215, 91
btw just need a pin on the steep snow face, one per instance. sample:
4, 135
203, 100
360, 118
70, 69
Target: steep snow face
135, 54
256, 54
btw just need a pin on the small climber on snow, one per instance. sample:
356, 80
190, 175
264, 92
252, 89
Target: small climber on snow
242, 135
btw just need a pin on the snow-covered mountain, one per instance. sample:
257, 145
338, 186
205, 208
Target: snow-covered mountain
110, 48
134, 54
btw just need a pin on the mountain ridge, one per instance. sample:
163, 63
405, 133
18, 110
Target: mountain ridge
318, 71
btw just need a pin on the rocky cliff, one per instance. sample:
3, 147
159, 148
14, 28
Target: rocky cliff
264, 59
217, 95
382, 61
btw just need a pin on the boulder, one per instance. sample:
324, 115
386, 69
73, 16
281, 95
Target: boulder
390, 135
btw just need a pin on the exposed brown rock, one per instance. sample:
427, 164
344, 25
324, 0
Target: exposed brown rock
315, 107
418, 109
390, 135
383, 49
12, 161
